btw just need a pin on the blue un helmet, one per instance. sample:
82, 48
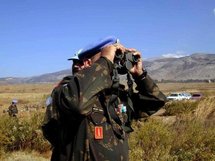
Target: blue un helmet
76, 57
14, 101
94, 48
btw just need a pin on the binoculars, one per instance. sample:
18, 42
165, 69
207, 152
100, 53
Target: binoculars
125, 61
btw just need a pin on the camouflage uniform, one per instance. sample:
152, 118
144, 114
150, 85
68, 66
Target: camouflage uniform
90, 126
12, 110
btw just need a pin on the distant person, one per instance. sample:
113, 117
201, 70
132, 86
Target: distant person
12, 109
89, 114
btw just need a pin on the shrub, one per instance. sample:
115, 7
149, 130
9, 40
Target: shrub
206, 108
151, 141
38, 142
22, 135
180, 107
186, 140
194, 140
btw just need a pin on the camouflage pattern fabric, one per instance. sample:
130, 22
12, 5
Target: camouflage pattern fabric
90, 128
12, 110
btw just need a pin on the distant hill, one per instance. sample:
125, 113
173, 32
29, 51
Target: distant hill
194, 67
45, 78
197, 66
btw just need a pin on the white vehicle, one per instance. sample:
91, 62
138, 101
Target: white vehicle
186, 95
176, 96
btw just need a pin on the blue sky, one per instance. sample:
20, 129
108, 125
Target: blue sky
38, 36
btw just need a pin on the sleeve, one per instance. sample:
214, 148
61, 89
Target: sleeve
75, 95
149, 98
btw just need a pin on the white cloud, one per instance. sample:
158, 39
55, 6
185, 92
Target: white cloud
177, 54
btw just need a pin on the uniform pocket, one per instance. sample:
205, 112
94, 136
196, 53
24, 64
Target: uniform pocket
97, 116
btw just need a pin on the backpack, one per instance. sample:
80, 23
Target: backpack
51, 123
55, 125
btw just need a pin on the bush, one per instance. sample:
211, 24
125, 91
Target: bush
184, 141
190, 138
178, 108
194, 140
151, 141
22, 135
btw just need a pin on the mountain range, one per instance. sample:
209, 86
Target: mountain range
194, 67
198, 66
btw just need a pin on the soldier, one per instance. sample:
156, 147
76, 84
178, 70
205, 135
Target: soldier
12, 109
91, 112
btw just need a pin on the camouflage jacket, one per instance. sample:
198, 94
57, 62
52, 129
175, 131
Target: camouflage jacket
12, 110
92, 126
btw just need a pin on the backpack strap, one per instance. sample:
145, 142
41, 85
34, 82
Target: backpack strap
111, 116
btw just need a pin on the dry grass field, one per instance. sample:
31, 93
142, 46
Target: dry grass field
208, 89
28, 95
33, 97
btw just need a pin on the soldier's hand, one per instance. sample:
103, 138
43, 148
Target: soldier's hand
137, 69
110, 51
